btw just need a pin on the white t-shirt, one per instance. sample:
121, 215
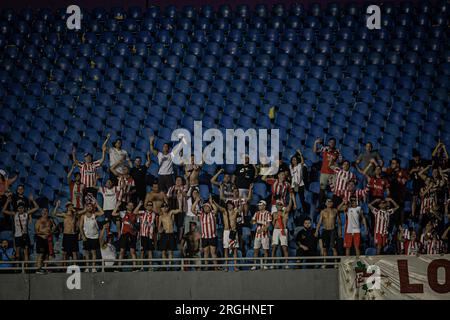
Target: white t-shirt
353, 225
20, 224
115, 156
189, 207
108, 253
109, 197
165, 163
90, 227
297, 175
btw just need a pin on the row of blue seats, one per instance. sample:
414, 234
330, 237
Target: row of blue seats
242, 10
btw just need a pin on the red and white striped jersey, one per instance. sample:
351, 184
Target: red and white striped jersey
147, 220
77, 194
262, 218
342, 179
412, 248
432, 246
359, 194
88, 172
280, 190
382, 220
123, 184
429, 200
208, 223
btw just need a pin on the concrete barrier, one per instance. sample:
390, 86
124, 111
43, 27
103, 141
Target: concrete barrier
207, 285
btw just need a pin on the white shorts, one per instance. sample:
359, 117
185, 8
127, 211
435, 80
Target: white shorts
264, 242
226, 239
278, 238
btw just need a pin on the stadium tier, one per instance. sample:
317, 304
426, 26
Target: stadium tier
311, 72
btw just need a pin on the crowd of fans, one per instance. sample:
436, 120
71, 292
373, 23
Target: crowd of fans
122, 218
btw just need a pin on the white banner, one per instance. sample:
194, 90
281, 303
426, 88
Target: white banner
395, 277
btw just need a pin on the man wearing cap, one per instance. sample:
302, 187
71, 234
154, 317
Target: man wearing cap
168, 241
70, 235
190, 244
280, 231
262, 219
88, 168
21, 219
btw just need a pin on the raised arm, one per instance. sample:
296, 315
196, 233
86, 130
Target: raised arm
35, 206
55, 209
371, 207
102, 159
69, 174
302, 159
152, 146
422, 174
7, 203
138, 207
148, 162
396, 206
100, 211
115, 212
250, 193
74, 157
316, 142
214, 178
195, 206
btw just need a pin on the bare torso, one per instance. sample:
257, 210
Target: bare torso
157, 198
329, 218
232, 217
284, 218
166, 222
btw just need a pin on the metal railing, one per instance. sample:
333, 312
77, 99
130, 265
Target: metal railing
175, 264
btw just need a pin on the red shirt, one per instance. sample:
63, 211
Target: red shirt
327, 156
280, 190
378, 186
128, 223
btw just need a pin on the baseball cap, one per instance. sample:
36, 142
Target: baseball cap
261, 203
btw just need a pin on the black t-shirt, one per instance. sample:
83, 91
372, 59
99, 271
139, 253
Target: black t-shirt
306, 238
139, 176
20, 200
245, 175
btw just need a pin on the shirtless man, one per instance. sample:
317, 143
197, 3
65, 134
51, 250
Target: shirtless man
156, 196
280, 232
190, 244
43, 229
165, 228
328, 217
230, 235
70, 235
192, 172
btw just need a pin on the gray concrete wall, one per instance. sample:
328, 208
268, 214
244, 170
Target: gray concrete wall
207, 285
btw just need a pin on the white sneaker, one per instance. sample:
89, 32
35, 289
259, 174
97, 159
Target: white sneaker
271, 267
86, 270
286, 267
265, 268
253, 268
94, 270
